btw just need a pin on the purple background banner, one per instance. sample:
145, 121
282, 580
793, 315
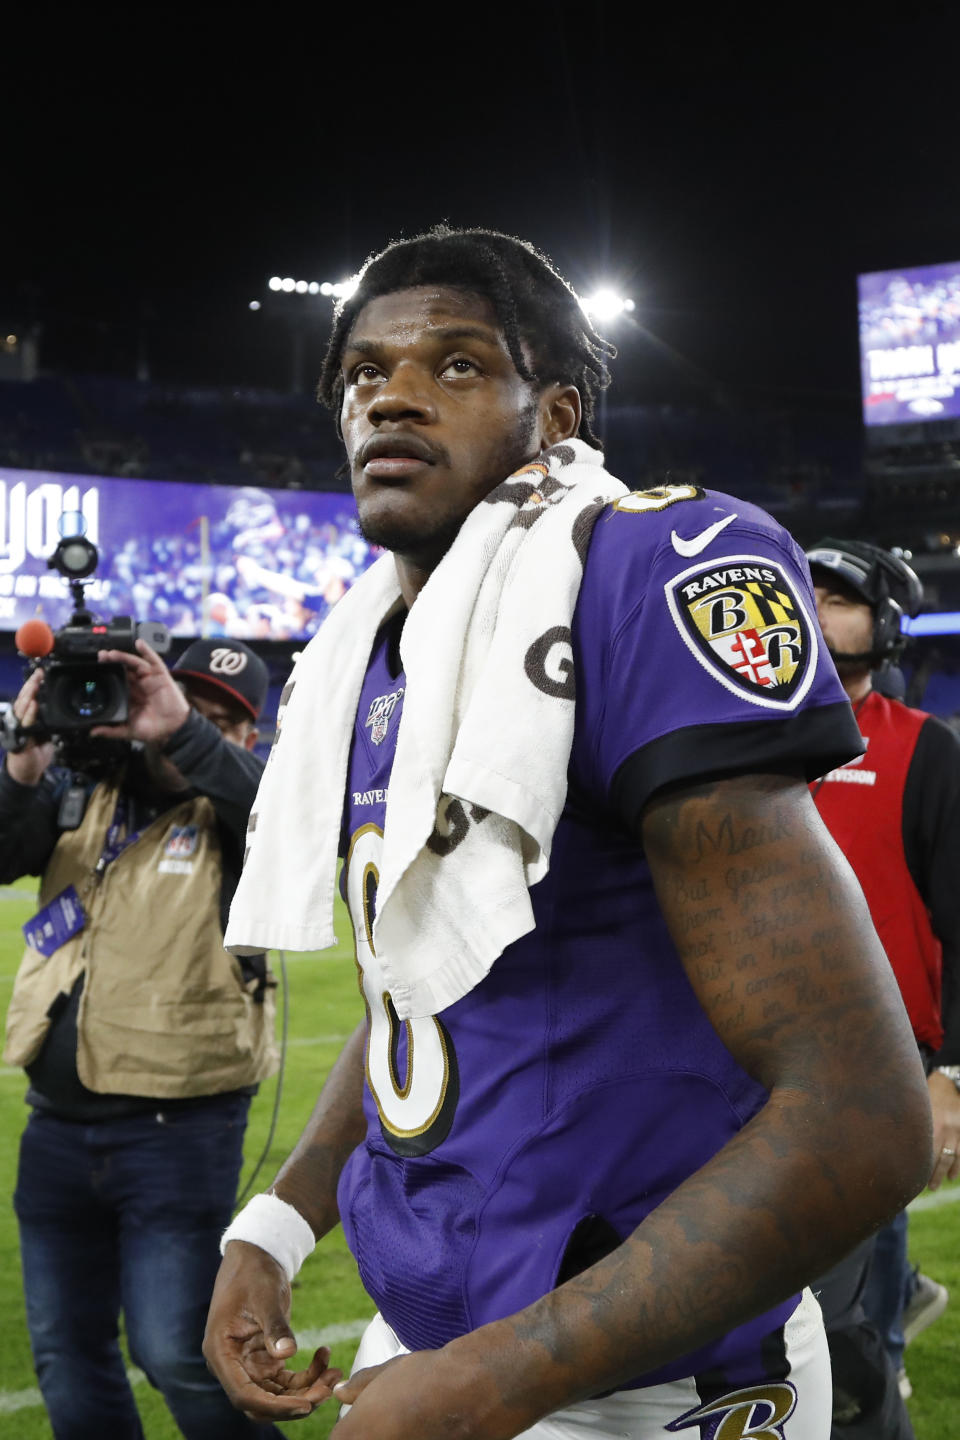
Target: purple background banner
910, 344
205, 559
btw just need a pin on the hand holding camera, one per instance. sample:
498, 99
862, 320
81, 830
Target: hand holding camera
156, 706
28, 766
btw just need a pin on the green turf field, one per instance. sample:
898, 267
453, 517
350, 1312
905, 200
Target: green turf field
324, 1006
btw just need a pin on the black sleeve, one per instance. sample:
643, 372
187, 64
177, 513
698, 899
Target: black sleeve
28, 824
931, 842
807, 743
213, 766
229, 776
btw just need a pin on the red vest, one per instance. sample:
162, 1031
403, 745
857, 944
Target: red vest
862, 805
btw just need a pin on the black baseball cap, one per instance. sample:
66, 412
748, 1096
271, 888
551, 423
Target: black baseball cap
227, 665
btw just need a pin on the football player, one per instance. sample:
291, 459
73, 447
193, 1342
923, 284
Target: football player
586, 1191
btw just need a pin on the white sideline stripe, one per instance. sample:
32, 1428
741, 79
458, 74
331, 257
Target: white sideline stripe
338, 1039
321, 1039
13, 1400
934, 1199
296, 957
331, 1334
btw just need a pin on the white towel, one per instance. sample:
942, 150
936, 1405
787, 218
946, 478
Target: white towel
480, 773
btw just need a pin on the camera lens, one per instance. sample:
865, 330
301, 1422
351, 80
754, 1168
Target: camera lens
88, 698
77, 695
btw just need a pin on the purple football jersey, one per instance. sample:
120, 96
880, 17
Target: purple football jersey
530, 1127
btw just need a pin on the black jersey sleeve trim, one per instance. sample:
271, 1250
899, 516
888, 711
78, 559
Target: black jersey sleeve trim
808, 743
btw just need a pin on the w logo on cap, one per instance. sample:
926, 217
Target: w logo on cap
224, 661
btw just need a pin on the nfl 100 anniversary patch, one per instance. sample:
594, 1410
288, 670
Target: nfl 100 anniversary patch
746, 624
378, 716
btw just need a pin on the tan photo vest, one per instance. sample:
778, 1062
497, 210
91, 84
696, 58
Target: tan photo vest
165, 1011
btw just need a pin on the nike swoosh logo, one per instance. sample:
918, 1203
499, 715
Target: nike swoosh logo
701, 541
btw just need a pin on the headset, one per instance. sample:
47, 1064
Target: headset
884, 581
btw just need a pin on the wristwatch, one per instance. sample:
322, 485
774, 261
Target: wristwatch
952, 1073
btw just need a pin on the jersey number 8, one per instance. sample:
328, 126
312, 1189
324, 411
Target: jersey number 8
415, 1092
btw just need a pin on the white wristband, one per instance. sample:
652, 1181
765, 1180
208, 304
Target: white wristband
276, 1227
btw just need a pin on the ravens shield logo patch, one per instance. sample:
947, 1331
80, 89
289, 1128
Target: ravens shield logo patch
746, 624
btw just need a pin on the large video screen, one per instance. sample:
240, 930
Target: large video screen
910, 344
211, 560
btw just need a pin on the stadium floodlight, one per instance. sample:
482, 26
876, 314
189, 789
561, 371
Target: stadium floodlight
339, 290
605, 304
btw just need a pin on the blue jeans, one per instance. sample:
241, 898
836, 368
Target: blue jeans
862, 1371
888, 1286
126, 1215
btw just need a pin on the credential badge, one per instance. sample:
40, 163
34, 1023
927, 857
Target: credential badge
746, 624
378, 718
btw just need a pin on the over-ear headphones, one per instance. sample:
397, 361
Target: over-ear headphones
884, 581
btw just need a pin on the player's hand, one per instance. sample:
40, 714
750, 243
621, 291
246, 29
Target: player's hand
158, 707
429, 1395
248, 1340
945, 1104
29, 765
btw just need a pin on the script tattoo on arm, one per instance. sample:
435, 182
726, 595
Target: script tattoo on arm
773, 932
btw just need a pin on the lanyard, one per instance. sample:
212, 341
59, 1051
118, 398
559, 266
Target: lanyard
116, 841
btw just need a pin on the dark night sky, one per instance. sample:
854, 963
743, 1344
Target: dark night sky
733, 177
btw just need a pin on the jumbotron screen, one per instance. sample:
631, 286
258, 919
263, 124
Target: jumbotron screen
252, 563
910, 344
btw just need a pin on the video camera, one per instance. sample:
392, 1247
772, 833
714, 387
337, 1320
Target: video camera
79, 691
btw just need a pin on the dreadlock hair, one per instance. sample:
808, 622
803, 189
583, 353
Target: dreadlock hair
532, 302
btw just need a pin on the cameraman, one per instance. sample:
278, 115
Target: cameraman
142, 1038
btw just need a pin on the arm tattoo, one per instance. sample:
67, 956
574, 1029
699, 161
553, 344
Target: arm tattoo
774, 936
